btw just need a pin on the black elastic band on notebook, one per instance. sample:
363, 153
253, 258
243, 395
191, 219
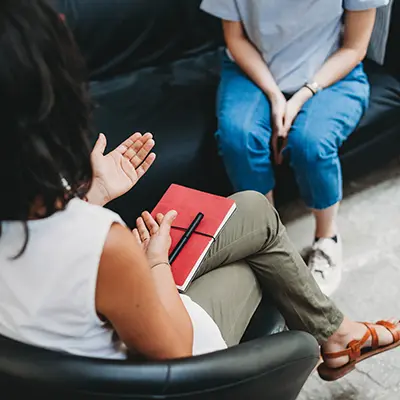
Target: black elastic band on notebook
179, 228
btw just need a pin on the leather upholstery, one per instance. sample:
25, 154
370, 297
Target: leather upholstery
122, 36
266, 321
269, 368
392, 60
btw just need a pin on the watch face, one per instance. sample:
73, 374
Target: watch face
315, 86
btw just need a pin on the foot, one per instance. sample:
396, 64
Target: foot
355, 332
325, 262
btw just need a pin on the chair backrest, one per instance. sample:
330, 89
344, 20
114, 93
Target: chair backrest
273, 367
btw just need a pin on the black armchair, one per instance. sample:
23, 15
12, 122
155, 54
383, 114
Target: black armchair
269, 368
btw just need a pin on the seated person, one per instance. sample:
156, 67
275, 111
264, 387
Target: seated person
293, 71
73, 278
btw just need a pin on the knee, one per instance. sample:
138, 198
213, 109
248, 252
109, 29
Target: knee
241, 140
256, 209
232, 133
251, 199
308, 150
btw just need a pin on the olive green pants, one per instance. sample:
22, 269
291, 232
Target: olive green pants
253, 256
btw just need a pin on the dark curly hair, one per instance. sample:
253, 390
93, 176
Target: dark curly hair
44, 112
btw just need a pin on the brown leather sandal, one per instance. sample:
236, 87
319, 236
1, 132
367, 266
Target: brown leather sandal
357, 354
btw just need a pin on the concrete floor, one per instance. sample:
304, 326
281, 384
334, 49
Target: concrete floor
369, 222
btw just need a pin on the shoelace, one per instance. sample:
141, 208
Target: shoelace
318, 260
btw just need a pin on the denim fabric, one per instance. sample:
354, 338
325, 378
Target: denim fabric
324, 123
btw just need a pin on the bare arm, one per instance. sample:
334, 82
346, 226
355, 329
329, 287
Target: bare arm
253, 65
127, 296
154, 237
358, 29
357, 34
249, 58
168, 294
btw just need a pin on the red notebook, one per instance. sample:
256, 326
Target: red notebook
188, 203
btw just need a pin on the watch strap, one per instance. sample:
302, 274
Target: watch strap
314, 87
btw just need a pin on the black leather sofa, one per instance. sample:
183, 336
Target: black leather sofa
154, 66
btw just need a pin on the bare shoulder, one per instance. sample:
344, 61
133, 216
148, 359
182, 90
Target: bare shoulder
118, 238
119, 245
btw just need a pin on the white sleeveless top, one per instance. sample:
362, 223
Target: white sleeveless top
47, 296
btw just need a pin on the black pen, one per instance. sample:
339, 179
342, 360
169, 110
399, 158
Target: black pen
185, 237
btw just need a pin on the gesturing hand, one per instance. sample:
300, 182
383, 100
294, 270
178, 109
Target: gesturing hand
154, 235
117, 172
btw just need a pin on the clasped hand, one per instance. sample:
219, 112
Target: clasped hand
283, 115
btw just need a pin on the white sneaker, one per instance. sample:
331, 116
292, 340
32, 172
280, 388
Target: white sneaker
325, 263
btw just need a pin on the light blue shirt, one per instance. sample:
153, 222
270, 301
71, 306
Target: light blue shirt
295, 37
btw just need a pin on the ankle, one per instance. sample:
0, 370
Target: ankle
326, 233
334, 238
346, 332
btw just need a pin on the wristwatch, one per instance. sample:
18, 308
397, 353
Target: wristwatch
314, 87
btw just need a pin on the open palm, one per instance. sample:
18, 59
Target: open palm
117, 172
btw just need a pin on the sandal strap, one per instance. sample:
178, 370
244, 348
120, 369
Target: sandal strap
392, 328
374, 336
353, 350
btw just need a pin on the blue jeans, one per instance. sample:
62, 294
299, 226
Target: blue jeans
324, 123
